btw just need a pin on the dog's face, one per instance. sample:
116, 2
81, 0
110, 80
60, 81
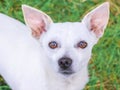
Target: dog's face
67, 45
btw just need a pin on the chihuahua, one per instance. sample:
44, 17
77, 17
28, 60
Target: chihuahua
43, 55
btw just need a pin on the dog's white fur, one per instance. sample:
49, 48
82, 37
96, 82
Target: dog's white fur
27, 63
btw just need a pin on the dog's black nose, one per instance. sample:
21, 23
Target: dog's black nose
65, 63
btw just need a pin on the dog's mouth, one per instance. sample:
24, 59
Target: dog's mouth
66, 72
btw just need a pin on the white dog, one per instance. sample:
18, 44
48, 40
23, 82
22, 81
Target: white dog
58, 55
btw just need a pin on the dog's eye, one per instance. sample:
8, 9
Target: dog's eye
53, 45
82, 44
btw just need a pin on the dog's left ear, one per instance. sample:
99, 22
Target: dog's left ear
37, 20
96, 21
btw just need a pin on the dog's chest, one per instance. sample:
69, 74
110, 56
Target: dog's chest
75, 84
64, 86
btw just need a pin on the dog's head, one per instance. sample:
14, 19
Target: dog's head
67, 45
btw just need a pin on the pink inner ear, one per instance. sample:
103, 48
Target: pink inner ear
97, 23
37, 28
36, 23
37, 20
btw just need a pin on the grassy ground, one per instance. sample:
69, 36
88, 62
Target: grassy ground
104, 67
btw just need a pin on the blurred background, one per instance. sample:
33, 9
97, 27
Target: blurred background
104, 66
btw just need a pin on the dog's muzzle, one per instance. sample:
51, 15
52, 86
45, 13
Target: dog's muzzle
65, 65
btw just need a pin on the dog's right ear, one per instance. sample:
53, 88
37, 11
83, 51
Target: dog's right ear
37, 20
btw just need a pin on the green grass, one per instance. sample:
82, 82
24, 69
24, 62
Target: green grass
104, 67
